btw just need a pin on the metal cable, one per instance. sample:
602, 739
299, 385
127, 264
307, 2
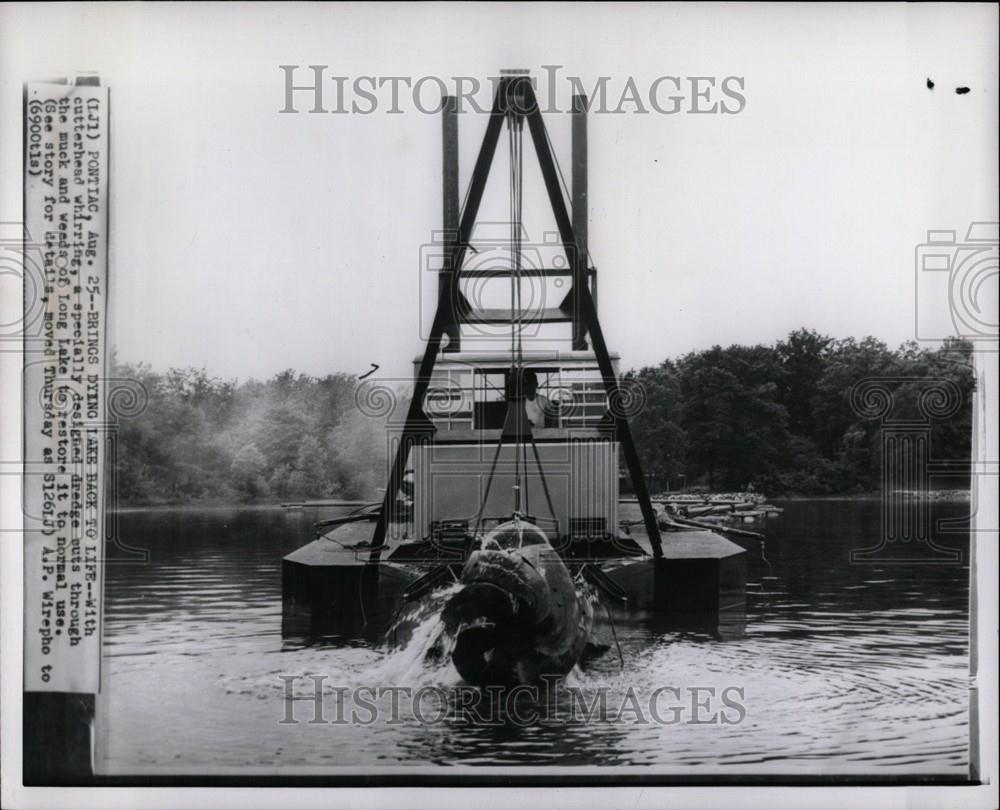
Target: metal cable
565, 188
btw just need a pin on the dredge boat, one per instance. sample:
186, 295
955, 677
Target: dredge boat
504, 483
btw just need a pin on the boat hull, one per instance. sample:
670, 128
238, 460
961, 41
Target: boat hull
518, 618
329, 588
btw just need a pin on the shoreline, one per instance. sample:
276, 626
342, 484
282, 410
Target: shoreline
936, 496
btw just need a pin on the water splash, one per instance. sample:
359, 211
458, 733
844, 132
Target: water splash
420, 647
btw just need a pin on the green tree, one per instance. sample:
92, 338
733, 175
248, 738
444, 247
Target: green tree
803, 356
737, 428
781, 417
248, 469
309, 479
657, 430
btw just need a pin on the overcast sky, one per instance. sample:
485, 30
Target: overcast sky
248, 241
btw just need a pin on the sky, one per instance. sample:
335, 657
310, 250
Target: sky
247, 241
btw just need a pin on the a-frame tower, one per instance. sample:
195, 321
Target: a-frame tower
514, 101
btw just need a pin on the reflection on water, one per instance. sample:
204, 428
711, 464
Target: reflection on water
844, 668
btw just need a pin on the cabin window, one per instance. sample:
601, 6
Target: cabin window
463, 399
489, 399
583, 401
448, 402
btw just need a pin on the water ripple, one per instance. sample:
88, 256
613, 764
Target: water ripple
845, 669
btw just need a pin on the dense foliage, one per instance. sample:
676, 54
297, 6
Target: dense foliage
781, 417
807, 415
292, 437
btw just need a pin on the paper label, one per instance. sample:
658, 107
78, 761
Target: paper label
66, 222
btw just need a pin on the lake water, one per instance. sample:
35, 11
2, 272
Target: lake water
845, 668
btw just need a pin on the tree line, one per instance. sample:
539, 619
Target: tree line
807, 415
787, 418
204, 439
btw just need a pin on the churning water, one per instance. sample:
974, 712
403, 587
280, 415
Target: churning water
844, 669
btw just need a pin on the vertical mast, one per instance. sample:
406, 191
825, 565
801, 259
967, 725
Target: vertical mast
449, 197
579, 205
